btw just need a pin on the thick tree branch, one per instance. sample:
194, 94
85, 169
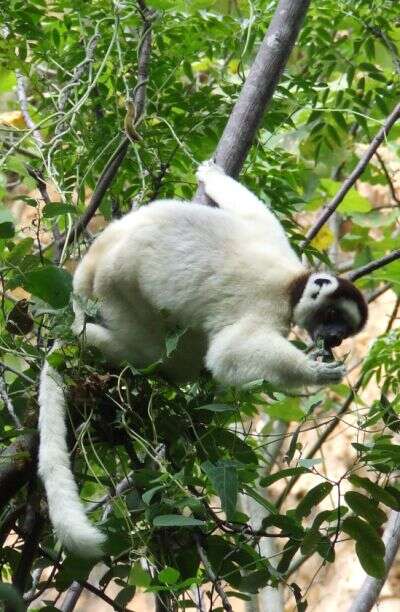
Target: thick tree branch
259, 87
369, 592
374, 265
32, 528
358, 170
17, 466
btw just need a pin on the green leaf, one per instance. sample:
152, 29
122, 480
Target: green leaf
286, 410
224, 478
9, 595
7, 229
19, 251
139, 577
295, 471
364, 507
54, 209
50, 284
326, 550
254, 581
372, 564
313, 498
263, 501
354, 203
73, 568
169, 575
217, 408
125, 595
363, 532
172, 340
310, 542
176, 520
286, 523
148, 495
377, 492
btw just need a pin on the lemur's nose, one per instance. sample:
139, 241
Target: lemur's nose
322, 281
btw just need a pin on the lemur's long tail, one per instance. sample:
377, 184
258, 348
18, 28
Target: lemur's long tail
67, 513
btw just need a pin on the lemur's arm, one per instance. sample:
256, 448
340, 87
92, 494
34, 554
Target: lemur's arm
248, 350
231, 195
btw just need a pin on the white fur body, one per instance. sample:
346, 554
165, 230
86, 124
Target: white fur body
224, 273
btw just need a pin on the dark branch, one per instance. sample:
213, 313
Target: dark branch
139, 102
32, 528
374, 265
323, 437
17, 466
388, 178
77, 74
358, 170
210, 573
259, 87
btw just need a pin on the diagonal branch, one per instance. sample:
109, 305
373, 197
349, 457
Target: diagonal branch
358, 170
139, 102
259, 88
211, 574
374, 265
17, 465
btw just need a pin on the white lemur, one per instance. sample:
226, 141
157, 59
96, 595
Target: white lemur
230, 277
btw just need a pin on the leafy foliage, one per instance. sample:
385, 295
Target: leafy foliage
190, 448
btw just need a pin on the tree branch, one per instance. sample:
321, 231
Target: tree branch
17, 465
371, 587
374, 265
23, 103
258, 89
139, 101
210, 573
351, 179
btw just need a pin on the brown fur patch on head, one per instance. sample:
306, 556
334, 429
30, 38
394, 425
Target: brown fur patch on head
347, 290
296, 288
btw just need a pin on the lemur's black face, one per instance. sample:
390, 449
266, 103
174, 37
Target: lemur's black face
329, 308
331, 326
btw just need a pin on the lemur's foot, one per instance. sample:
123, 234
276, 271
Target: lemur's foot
206, 168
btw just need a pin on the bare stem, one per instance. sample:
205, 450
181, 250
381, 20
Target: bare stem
358, 170
211, 574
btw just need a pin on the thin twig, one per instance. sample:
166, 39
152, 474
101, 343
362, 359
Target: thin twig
139, 100
388, 177
76, 77
14, 371
23, 102
210, 573
351, 179
8, 403
323, 437
374, 265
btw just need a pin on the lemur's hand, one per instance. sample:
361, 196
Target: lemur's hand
326, 372
206, 169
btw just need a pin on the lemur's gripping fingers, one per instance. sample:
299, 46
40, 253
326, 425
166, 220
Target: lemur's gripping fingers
326, 373
207, 169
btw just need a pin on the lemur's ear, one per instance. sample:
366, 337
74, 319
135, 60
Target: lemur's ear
348, 293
